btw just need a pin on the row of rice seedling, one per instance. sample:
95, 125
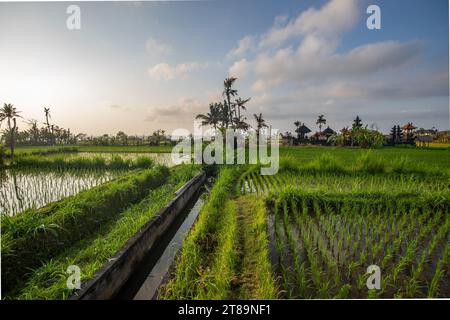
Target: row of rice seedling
31, 188
411, 184
38, 235
62, 161
333, 240
365, 162
48, 281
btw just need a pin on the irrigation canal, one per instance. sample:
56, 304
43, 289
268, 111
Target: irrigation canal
156, 266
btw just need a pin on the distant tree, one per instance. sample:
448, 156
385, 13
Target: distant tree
337, 139
320, 121
34, 131
357, 123
47, 116
228, 92
122, 137
366, 138
260, 123
10, 113
393, 135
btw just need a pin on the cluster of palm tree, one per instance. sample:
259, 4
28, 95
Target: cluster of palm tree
229, 112
48, 134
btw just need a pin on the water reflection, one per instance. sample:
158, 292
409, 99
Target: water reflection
27, 188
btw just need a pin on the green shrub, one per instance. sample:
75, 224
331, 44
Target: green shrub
143, 162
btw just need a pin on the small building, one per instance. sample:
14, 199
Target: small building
408, 128
302, 132
424, 137
328, 132
322, 137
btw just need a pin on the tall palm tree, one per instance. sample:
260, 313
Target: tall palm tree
229, 92
240, 104
260, 123
10, 113
47, 116
320, 121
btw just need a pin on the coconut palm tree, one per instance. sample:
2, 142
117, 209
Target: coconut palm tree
260, 123
229, 92
10, 113
240, 105
213, 117
320, 121
47, 116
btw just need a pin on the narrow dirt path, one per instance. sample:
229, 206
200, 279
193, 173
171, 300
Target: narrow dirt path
254, 279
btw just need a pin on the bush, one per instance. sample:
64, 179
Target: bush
143, 162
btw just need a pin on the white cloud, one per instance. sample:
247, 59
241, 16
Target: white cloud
332, 19
314, 63
245, 45
240, 68
157, 48
164, 71
296, 70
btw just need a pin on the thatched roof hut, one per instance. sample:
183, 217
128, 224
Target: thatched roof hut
328, 131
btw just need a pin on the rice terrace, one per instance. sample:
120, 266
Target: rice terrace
361, 212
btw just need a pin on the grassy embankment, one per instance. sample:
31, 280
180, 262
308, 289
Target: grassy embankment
225, 250
42, 150
85, 230
62, 161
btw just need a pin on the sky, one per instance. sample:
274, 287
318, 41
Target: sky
142, 66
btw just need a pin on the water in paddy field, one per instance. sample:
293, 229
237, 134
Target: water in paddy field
27, 188
158, 158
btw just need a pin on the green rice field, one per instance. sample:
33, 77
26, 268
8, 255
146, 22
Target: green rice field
324, 218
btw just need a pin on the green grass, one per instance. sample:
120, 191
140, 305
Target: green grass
37, 235
62, 161
422, 157
49, 280
86, 148
337, 210
225, 250
254, 276
208, 246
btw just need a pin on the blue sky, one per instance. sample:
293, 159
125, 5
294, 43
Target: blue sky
146, 65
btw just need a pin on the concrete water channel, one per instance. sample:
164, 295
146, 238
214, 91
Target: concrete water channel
143, 264
149, 277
